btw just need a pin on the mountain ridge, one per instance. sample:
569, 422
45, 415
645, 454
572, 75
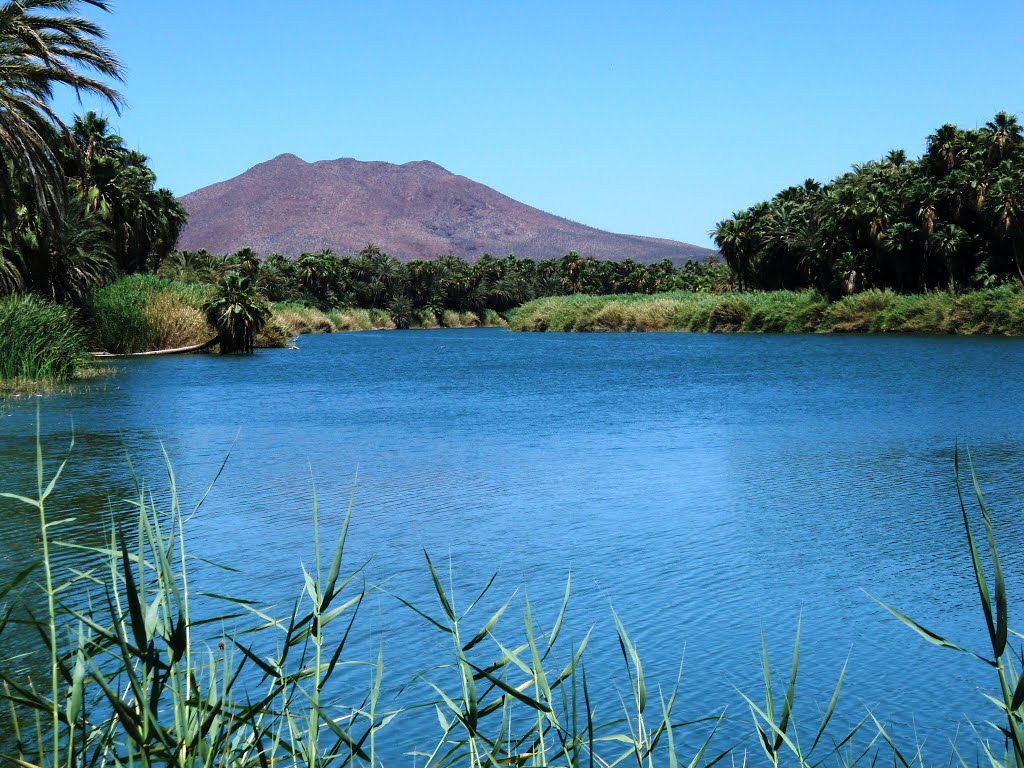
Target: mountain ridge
413, 210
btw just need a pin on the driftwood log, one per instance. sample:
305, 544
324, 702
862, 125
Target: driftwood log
175, 351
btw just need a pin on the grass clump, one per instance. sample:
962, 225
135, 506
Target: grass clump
729, 315
300, 318
783, 311
40, 341
351, 319
274, 334
142, 313
994, 311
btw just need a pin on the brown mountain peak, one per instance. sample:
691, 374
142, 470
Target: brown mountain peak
414, 210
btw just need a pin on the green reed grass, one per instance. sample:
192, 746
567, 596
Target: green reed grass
135, 679
39, 341
996, 311
1001, 652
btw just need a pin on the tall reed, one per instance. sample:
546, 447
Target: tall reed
136, 678
1001, 652
39, 341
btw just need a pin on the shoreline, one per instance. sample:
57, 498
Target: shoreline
990, 312
175, 326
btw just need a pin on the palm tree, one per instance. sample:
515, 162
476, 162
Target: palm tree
948, 242
42, 45
896, 159
319, 275
91, 141
902, 242
573, 265
943, 147
1006, 208
169, 219
1003, 133
735, 239
80, 256
237, 312
189, 267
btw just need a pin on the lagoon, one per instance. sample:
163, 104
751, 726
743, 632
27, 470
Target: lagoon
704, 486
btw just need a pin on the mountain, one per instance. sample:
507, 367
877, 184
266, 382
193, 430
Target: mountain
416, 210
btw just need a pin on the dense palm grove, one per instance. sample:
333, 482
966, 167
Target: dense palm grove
373, 279
952, 219
78, 206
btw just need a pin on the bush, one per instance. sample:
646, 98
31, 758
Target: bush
275, 334
776, 312
729, 315
351, 319
39, 341
856, 313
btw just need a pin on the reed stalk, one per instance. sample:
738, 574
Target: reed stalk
134, 679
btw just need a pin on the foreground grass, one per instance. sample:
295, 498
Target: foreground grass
131, 678
996, 311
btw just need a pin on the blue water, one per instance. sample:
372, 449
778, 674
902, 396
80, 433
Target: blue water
705, 487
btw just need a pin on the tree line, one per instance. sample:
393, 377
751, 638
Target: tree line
376, 280
77, 206
952, 218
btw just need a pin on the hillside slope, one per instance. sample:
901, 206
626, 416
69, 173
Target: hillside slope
413, 211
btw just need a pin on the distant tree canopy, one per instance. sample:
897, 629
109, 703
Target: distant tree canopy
952, 218
373, 279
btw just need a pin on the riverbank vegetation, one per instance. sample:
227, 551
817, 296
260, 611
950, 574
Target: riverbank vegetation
926, 245
39, 341
994, 311
436, 293
120, 664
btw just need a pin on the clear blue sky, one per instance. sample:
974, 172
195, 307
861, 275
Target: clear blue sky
653, 118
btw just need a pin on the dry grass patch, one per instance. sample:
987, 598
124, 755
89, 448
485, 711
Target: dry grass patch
174, 322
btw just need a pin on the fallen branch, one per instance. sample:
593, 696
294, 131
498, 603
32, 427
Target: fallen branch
175, 351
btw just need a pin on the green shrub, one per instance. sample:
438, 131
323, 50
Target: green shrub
921, 313
274, 334
807, 318
775, 312
729, 315
992, 311
39, 341
351, 319
856, 313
